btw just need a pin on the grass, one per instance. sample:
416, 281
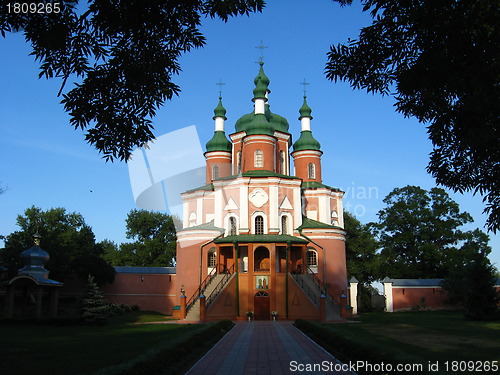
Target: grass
420, 337
61, 350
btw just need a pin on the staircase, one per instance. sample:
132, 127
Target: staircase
312, 287
212, 289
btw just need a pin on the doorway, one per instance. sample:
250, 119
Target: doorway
262, 304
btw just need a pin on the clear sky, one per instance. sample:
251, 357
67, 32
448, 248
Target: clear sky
369, 149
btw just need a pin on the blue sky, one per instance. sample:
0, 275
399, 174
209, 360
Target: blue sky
369, 149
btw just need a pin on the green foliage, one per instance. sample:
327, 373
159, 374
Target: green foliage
155, 241
419, 234
361, 248
124, 54
95, 309
69, 241
471, 283
440, 60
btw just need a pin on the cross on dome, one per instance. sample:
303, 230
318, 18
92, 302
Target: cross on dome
220, 84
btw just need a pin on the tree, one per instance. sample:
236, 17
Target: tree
361, 258
69, 241
420, 234
94, 308
361, 247
124, 54
440, 60
471, 283
155, 241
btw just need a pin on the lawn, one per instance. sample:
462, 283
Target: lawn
36, 349
422, 337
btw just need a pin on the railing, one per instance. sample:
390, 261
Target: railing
329, 297
200, 289
314, 297
220, 286
317, 291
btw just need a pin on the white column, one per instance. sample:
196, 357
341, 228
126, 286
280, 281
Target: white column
219, 124
297, 207
324, 209
218, 207
199, 211
353, 294
389, 307
306, 123
273, 208
244, 208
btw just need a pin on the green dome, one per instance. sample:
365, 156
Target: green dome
219, 142
305, 110
279, 122
306, 142
220, 111
261, 82
259, 125
262, 76
276, 122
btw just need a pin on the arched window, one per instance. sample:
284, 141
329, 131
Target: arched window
212, 259
215, 172
312, 171
258, 159
335, 218
284, 225
312, 258
232, 226
282, 162
259, 225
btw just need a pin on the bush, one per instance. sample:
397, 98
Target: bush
179, 358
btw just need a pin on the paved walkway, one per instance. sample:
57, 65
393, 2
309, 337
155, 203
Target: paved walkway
262, 347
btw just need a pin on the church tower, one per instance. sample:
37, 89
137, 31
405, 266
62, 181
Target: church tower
257, 238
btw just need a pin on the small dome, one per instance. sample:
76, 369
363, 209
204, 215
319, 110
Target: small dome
220, 111
219, 142
262, 76
306, 142
34, 260
305, 110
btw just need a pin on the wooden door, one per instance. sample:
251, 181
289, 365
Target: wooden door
262, 303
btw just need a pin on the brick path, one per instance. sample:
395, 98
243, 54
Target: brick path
262, 347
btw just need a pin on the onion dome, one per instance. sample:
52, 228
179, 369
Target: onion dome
306, 142
220, 111
34, 260
219, 142
262, 76
305, 110
278, 122
261, 85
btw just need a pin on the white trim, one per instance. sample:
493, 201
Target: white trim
290, 226
227, 227
306, 154
264, 216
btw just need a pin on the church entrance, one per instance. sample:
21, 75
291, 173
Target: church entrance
262, 304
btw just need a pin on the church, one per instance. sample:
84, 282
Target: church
263, 238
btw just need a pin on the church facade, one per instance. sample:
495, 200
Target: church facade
264, 236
